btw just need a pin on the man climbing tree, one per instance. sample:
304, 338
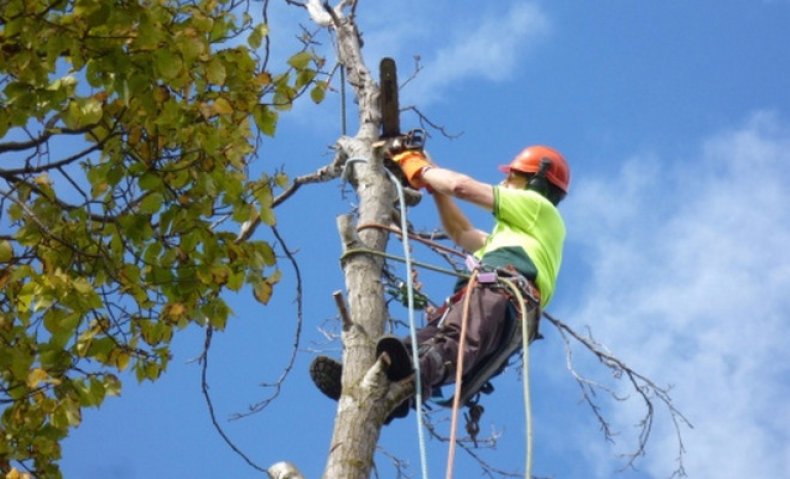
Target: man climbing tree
525, 245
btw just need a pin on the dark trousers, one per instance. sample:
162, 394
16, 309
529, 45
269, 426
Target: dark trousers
438, 341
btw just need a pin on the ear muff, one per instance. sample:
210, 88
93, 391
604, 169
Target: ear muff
538, 182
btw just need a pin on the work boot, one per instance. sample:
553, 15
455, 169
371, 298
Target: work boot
399, 367
326, 374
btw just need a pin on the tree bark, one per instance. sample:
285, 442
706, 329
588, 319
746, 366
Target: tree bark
364, 402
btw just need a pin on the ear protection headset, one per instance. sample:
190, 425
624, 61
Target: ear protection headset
538, 181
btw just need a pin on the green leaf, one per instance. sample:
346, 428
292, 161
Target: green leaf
82, 112
266, 253
256, 37
167, 63
215, 72
25, 296
217, 312
151, 203
21, 360
265, 119
318, 92
150, 181
6, 251
235, 281
300, 60
96, 391
281, 179
304, 78
67, 413
266, 214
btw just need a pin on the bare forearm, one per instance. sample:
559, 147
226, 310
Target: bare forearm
460, 186
456, 224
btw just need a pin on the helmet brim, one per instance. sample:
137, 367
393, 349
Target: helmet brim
504, 168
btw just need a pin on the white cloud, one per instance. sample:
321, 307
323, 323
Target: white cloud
488, 46
690, 285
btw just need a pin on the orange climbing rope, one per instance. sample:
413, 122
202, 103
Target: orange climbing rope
459, 372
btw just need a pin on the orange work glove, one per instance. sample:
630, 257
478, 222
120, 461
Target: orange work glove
412, 163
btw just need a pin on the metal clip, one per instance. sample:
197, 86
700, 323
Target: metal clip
414, 139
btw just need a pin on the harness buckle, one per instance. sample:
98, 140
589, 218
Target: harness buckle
483, 276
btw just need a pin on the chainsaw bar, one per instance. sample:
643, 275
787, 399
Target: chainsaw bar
388, 98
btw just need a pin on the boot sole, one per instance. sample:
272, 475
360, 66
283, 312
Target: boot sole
326, 374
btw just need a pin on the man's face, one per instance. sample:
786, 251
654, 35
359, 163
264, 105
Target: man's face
516, 181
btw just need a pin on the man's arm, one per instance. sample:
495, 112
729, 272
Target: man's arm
446, 184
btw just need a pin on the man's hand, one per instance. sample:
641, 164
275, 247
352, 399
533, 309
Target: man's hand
412, 163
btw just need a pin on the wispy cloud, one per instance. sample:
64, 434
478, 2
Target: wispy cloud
488, 46
690, 285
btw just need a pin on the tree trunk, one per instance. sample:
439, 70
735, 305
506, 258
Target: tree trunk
364, 402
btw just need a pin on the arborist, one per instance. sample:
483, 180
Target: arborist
525, 245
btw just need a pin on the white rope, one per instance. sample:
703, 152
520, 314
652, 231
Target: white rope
412, 327
525, 372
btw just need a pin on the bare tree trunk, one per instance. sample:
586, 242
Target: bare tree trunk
364, 402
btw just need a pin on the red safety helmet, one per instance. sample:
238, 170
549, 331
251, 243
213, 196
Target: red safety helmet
529, 161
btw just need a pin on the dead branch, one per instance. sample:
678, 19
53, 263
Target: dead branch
469, 446
427, 124
645, 388
322, 175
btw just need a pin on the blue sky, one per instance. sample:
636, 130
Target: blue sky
675, 117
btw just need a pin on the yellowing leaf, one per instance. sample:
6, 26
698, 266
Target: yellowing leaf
91, 111
174, 311
263, 292
15, 474
160, 95
82, 286
222, 107
112, 385
36, 377
42, 180
263, 78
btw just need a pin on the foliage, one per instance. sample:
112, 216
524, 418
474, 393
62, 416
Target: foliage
126, 132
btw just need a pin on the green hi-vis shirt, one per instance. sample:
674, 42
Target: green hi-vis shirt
529, 234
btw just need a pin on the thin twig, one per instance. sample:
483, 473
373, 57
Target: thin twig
205, 388
278, 384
